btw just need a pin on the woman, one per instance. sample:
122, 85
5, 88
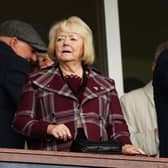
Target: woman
43, 61
70, 100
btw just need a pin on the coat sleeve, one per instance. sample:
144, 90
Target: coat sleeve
13, 73
160, 85
25, 120
128, 108
160, 75
117, 124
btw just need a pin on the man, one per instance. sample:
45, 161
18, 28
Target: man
18, 44
160, 84
139, 110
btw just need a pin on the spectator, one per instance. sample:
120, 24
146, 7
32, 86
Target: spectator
43, 61
71, 101
160, 84
140, 113
18, 43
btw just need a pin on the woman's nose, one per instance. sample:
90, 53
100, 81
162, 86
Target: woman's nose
66, 41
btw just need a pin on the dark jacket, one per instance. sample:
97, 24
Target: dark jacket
48, 99
13, 71
160, 84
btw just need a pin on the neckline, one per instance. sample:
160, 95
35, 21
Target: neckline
82, 85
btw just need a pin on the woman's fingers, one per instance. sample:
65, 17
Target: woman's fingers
131, 149
62, 135
68, 133
60, 131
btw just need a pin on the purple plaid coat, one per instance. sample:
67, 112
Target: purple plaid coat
47, 99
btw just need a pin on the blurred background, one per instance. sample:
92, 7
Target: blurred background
143, 26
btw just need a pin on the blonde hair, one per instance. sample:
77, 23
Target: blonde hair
76, 25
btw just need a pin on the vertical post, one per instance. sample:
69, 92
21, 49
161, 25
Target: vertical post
113, 43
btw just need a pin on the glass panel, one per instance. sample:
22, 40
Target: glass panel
143, 26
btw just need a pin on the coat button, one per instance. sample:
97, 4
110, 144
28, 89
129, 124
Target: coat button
102, 88
95, 88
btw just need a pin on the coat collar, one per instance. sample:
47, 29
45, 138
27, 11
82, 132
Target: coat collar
97, 84
148, 90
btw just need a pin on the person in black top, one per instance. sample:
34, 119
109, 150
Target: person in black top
19, 42
160, 85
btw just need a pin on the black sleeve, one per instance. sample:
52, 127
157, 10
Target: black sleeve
13, 72
160, 75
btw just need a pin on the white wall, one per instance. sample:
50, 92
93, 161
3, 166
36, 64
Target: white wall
113, 43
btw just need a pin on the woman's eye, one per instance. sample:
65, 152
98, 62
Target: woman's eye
74, 39
60, 39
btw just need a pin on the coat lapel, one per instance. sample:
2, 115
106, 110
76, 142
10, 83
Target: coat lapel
148, 90
53, 82
96, 86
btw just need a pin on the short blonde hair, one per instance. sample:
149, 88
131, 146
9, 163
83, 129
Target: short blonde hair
76, 25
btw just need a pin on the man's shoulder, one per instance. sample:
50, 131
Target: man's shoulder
133, 95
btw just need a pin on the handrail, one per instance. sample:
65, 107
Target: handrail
24, 156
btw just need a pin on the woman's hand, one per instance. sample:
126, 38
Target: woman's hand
59, 131
131, 149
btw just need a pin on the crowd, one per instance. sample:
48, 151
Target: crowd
53, 98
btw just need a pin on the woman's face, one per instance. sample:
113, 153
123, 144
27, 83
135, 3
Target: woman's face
69, 47
44, 61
